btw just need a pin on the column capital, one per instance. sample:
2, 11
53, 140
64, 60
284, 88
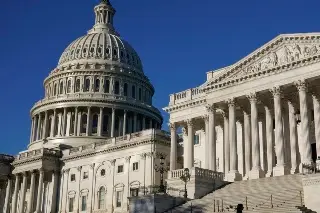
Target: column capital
113, 109
66, 171
112, 162
190, 122
253, 97
301, 85
125, 111
205, 118
172, 126
79, 168
231, 102
143, 156
128, 159
184, 130
210, 108
276, 91
41, 170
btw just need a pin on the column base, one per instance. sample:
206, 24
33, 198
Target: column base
280, 170
293, 170
233, 176
256, 173
269, 173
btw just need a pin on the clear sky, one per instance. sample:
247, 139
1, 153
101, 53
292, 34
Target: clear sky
177, 40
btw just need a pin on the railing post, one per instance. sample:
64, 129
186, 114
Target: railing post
301, 199
222, 206
271, 201
246, 203
214, 205
218, 205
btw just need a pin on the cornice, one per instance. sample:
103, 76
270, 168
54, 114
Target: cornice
184, 105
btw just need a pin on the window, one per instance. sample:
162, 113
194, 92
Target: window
196, 139
84, 123
69, 86
85, 175
78, 85
95, 124
97, 86
116, 88
61, 88
118, 198
101, 195
107, 86
73, 177
103, 172
134, 192
139, 94
105, 124
125, 89
133, 91
71, 202
120, 169
84, 203
135, 166
87, 85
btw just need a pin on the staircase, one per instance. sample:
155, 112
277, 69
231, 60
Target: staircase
267, 195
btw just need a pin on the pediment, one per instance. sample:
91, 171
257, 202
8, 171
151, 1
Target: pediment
279, 52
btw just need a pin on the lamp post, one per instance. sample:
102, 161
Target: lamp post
161, 169
185, 178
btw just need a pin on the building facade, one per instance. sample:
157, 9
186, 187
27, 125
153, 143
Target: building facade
95, 136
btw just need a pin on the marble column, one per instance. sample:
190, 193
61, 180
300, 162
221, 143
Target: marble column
75, 127
39, 127
280, 169
293, 137
256, 171
100, 125
32, 130
45, 126
88, 130
190, 144
53, 124
212, 138
15, 194
206, 145
306, 153
316, 109
64, 122
233, 174
6, 207
40, 189
185, 146
135, 122
55, 178
150, 123
124, 122
34, 135
23, 192
113, 119
269, 139
173, 148
226, 143
31, 194
247, 145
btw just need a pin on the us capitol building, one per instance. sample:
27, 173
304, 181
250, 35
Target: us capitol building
96, 137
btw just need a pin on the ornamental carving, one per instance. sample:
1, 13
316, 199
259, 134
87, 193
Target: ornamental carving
252, 97
205, 118
190, 122
231, 102
276, 91
301, 85
210, 108
172, 126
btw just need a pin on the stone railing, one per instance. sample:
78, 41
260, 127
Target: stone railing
38, 152
186, 95
197, 172
311, 168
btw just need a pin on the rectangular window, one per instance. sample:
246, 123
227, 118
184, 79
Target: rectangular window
196, 139
85, 175
71, 202
73, 177
84, 203
120, 169
118, 198
134, 192
135, 166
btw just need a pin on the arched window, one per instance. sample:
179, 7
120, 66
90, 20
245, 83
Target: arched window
97, 85
101, 196
95, 124
69, 86
125, 89
139, 94
55, 89
133, 91
87, 85
78, 85
105, 124
61, 88
116, 88
107, 86
83, 123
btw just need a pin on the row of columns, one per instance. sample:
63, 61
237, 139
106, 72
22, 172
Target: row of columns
253, 165
60, 124
22, 186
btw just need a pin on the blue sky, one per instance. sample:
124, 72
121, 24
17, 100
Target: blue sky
177, 40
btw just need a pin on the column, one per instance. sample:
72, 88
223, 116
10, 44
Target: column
34, 134
113, 118
143, 122
185, 146
45, 126
306, 154
23, 192
256, 171
190, 144
173, 150
247, 145
39, 127
212, 138
64, 122
53, 125
15, 194
32, 189
100, 125
233, 174
32, 130
39, 195
280, 169
75, 126
293, 137
135, 122
88, 133
6, 206
124, 122
269, 139
150, 123
316, 109
226, 143
55, 177
206, 150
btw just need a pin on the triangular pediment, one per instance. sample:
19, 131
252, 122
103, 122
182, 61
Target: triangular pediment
280, 52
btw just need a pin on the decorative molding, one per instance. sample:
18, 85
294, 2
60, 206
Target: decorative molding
112, 162
276, 91
231, 102
301, 85
253, 97
128, 159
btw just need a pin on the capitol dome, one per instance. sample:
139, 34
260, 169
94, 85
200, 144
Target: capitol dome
97, 91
